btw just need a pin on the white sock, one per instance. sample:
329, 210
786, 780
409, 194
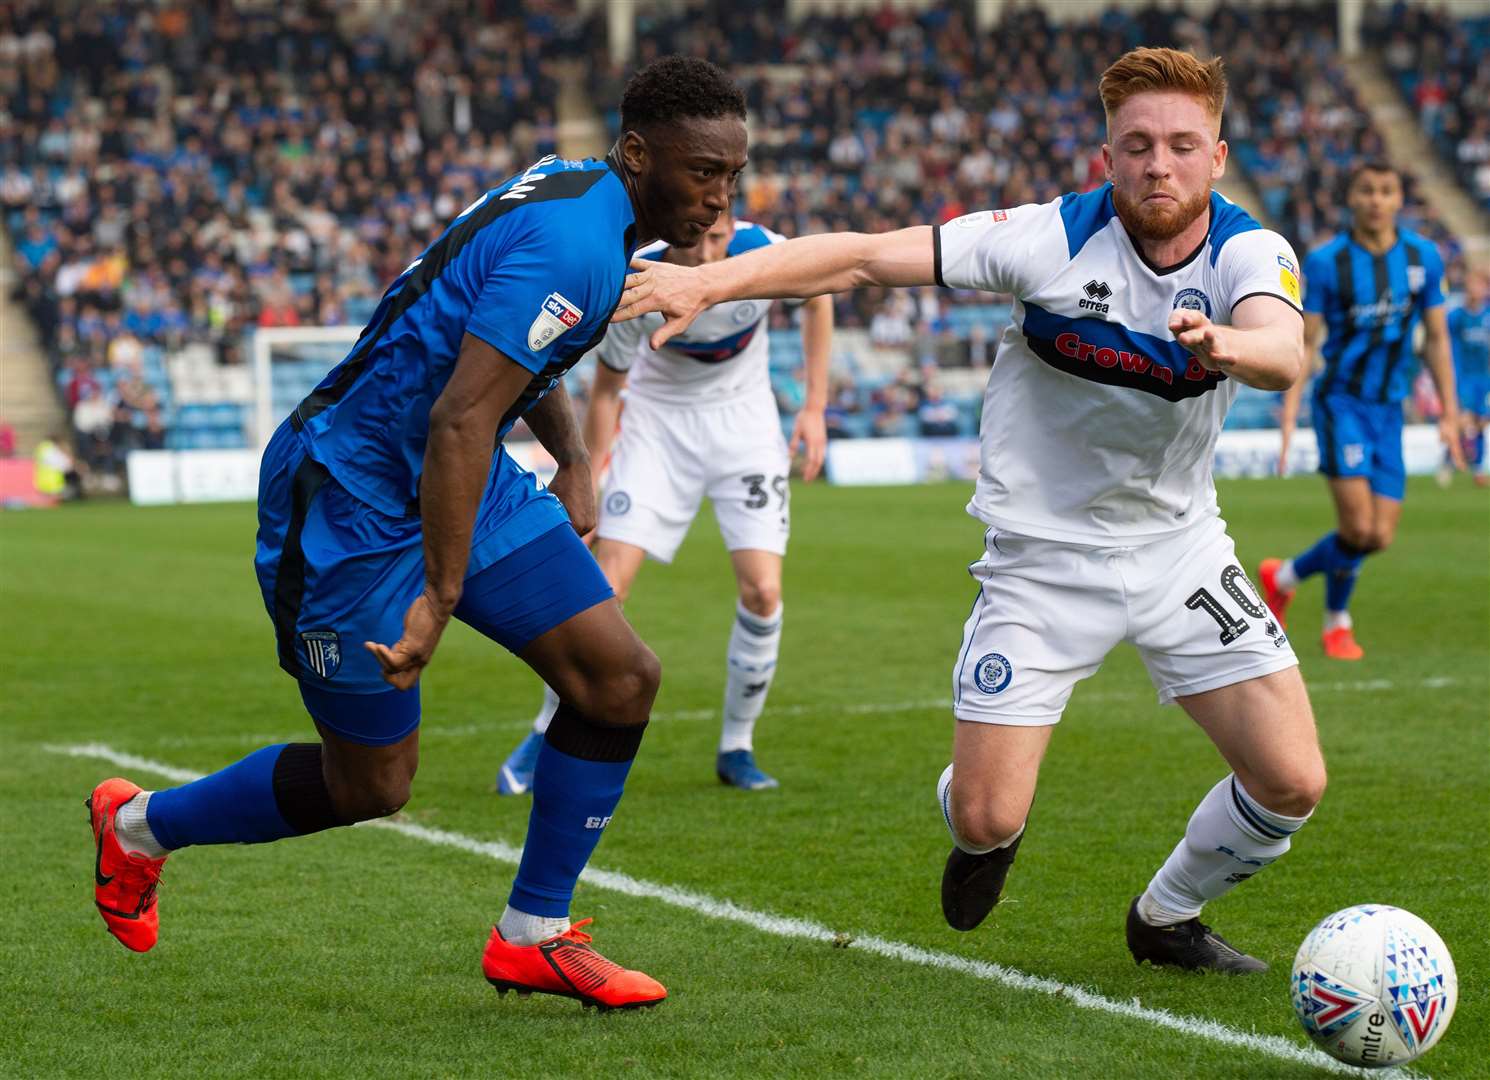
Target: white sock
520, 928
1333, 620
944, 800
132, 829
1286, 579
546, 710
754, 643
1231, 836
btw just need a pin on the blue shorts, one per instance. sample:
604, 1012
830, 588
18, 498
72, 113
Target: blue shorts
1474, 394
334, 572
1361, 438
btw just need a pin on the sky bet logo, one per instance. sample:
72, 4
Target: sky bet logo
562, 310
1097, 292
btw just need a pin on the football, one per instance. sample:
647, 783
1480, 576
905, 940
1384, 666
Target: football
1374, 985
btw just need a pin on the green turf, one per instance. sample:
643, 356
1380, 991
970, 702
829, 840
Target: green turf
355, 953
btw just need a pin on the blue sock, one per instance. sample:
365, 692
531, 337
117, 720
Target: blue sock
1341, 580
1476, 454
578, 781
271, 794
1318, 559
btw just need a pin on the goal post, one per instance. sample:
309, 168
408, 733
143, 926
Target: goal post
288, 362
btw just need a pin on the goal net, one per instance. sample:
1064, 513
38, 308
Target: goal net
288, 362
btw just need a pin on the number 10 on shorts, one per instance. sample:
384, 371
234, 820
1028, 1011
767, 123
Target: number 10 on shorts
1234, 583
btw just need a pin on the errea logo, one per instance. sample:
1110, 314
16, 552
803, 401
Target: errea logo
1097, 292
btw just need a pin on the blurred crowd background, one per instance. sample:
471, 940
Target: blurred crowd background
175, 176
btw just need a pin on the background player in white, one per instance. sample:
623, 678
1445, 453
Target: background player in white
700, 419
1138, 309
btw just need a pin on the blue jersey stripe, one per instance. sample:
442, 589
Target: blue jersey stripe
1400, 358
1371, 313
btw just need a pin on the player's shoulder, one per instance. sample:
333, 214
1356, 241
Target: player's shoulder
1322, 259
653, 251
1235, 233
1082, 214
1425, 250
749, 236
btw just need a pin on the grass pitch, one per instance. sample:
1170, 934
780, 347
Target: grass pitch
356, 953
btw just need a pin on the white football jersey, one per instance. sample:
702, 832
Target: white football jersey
724, 355
1098, 427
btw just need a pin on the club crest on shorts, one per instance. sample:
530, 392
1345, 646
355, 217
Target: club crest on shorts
555, 315
322, 651
617, 502
993, 673
1193, 300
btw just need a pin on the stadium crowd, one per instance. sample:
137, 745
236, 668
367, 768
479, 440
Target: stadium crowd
180, 173
1442, 66
183, 172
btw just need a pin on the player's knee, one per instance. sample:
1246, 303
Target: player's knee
982, 825
760, 597
1358, 533
1382, 537
372, 791
624, 696
1296, 792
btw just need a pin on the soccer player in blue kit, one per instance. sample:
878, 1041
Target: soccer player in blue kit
384, 510
1469, 333
1364, 293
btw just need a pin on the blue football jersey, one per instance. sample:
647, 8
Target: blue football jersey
1469, 331
535, 268
1371, 304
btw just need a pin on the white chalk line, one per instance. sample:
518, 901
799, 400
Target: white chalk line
511, 725
805, 929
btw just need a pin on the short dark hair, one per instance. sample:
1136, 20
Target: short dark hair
678, 88
1366, 165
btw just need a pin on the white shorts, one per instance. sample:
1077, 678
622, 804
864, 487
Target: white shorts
1048, 613
668, 457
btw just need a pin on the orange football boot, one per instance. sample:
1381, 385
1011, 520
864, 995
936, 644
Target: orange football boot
1340, 644
1276, 599
568, 966
123, 883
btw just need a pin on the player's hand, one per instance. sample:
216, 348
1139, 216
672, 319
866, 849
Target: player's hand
810, 432
1448, 433
676, 291
1207, 342
575, 488
402, 664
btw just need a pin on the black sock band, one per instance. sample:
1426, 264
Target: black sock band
573, 734
300, 790
1350, 551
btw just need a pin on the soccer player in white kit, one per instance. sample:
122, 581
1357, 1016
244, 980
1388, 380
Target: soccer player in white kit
701, 419
1138, 308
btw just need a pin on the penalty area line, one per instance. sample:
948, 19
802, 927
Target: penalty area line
1273, 1046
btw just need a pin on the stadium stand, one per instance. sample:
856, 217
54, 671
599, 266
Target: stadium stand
174, 176
1442, 66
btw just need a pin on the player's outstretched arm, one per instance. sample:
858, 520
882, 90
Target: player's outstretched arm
462, 429
810, 428
1439, 359
603, 417
1314, 335
806, 266
1263, 346
553, 424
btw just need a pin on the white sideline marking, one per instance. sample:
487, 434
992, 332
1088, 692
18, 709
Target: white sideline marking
785, 926
482, 727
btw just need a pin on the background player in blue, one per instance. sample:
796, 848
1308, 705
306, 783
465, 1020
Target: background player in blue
383, 512
1365, 292
1469, 334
